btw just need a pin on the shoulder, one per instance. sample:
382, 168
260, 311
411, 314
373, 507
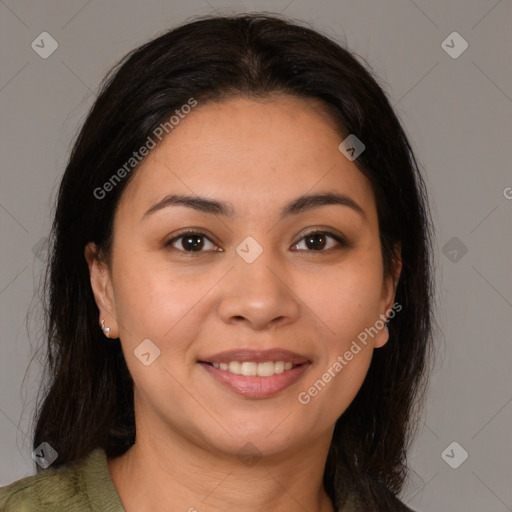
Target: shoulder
46, 490
62, 488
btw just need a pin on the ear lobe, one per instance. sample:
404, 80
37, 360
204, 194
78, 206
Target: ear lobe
382, 338
101, 285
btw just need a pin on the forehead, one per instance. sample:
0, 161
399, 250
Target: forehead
250, 152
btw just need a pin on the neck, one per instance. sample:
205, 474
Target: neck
182, 475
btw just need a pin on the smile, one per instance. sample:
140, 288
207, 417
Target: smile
255, 373
253, 369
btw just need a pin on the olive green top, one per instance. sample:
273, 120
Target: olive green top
83, 486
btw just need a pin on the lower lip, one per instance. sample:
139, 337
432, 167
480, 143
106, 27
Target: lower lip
256, 387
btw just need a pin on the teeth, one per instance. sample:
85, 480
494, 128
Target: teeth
279, 367
265, 369
251, 369
235, 367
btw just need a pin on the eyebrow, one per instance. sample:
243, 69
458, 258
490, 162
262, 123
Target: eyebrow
296, 206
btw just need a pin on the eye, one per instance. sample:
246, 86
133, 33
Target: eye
194, 241
318, 241
191, 241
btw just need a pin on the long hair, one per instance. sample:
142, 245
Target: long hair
87, 400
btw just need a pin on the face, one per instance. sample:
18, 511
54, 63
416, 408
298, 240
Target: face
246, 276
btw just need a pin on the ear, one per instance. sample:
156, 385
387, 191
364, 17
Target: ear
389, 285
102, 288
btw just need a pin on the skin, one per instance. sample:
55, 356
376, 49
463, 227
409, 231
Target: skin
257, 155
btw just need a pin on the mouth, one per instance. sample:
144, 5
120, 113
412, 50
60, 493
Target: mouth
254, 369
256, 374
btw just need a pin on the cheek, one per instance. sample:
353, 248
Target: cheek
150, 298
346, 299
154, 302
330, 390
345, 303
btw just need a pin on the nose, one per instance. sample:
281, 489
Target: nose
259, 294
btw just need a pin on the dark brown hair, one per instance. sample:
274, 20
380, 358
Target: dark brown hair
88, 398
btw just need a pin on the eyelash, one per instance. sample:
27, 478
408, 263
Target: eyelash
338, 238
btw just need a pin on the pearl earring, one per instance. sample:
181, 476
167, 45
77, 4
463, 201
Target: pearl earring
106, 330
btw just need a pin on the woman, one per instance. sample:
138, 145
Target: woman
240, 290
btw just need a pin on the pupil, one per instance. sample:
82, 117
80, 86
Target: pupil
315, 241
194, 242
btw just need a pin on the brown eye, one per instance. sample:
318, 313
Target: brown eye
316, 241
319, 240
190, 242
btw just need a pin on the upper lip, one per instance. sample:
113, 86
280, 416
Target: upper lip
256, 356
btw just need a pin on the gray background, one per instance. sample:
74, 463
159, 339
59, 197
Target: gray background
458, 114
